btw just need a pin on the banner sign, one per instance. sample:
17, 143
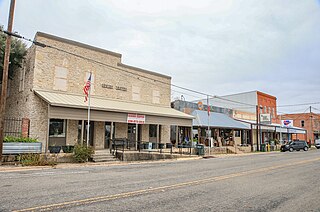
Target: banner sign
287, 123
136, 118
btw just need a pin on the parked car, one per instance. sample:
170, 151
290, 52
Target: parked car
295, 145
317, 143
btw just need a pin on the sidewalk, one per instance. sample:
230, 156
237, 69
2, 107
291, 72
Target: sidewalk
16, 168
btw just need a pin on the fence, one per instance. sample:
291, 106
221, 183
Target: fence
13, 127
123, 144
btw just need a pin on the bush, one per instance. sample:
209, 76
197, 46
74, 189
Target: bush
12, 139
34, 160
82, 153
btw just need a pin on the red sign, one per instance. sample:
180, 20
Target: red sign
136, 118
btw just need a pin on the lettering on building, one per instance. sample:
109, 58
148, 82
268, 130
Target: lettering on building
119, 88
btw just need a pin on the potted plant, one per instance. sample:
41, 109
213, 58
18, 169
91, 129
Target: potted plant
54, 149
68, 149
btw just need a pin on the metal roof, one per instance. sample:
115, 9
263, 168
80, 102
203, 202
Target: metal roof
104, 104
218, 120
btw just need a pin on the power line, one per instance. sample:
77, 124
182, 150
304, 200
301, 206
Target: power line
139, 75
126, 71
302, 104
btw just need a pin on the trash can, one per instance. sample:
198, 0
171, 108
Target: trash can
200, 149
263, 148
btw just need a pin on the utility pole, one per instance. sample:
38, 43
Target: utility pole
311, 128
5, 77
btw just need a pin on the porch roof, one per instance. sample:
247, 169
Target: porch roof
218, 120
103, 104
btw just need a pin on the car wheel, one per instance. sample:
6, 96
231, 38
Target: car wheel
291, 149
305, 148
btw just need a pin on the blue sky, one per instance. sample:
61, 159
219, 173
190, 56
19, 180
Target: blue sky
218, 47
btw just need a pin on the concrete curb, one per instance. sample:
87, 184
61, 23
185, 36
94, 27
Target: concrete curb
119, 163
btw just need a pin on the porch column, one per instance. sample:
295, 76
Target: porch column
111, 135
82, 132
136, 133
177, 135
158, 134
48, 131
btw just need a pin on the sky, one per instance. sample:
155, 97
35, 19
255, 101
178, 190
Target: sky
218, 47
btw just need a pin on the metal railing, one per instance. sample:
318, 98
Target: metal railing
123, 144
12, 127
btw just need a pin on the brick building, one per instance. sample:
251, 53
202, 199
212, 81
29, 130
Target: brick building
308, 121
48, 90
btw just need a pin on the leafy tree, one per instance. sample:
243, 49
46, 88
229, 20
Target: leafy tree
17, 53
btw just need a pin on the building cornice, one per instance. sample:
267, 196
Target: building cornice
75, 43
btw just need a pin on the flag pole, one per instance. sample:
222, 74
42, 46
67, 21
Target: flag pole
88, 125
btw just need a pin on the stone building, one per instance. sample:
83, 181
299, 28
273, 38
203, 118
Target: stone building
126, 102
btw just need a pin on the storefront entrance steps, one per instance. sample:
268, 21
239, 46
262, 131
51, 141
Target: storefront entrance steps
103, 156
142, 156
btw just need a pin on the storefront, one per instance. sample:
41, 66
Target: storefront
67, 118
224, 130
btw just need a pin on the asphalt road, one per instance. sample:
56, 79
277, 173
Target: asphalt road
259, 182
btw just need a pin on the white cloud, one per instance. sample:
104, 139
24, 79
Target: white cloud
220, 47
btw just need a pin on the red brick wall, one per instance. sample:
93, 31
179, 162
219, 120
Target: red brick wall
297, 122
269, 105
25, 127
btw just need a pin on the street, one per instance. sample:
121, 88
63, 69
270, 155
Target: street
256, 182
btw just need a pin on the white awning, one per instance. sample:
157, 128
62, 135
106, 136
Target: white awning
56, 99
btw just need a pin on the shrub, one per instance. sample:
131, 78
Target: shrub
34, 160
82, 153
12, 139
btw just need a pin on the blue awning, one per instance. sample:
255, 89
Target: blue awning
217, 120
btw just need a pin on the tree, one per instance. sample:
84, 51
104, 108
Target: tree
17, 53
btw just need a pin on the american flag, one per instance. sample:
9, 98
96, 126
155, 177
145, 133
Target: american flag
86, 88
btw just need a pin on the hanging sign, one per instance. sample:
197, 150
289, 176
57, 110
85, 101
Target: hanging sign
136, 118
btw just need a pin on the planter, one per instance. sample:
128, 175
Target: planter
67, 149
54, 149
169, 145
20, 148
146, 145
161, 145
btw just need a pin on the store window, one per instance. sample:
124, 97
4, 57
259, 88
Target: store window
57, 128
237, 133
152, 130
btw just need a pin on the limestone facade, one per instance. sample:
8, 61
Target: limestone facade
52, 69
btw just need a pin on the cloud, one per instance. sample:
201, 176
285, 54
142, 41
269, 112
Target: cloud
220, 47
